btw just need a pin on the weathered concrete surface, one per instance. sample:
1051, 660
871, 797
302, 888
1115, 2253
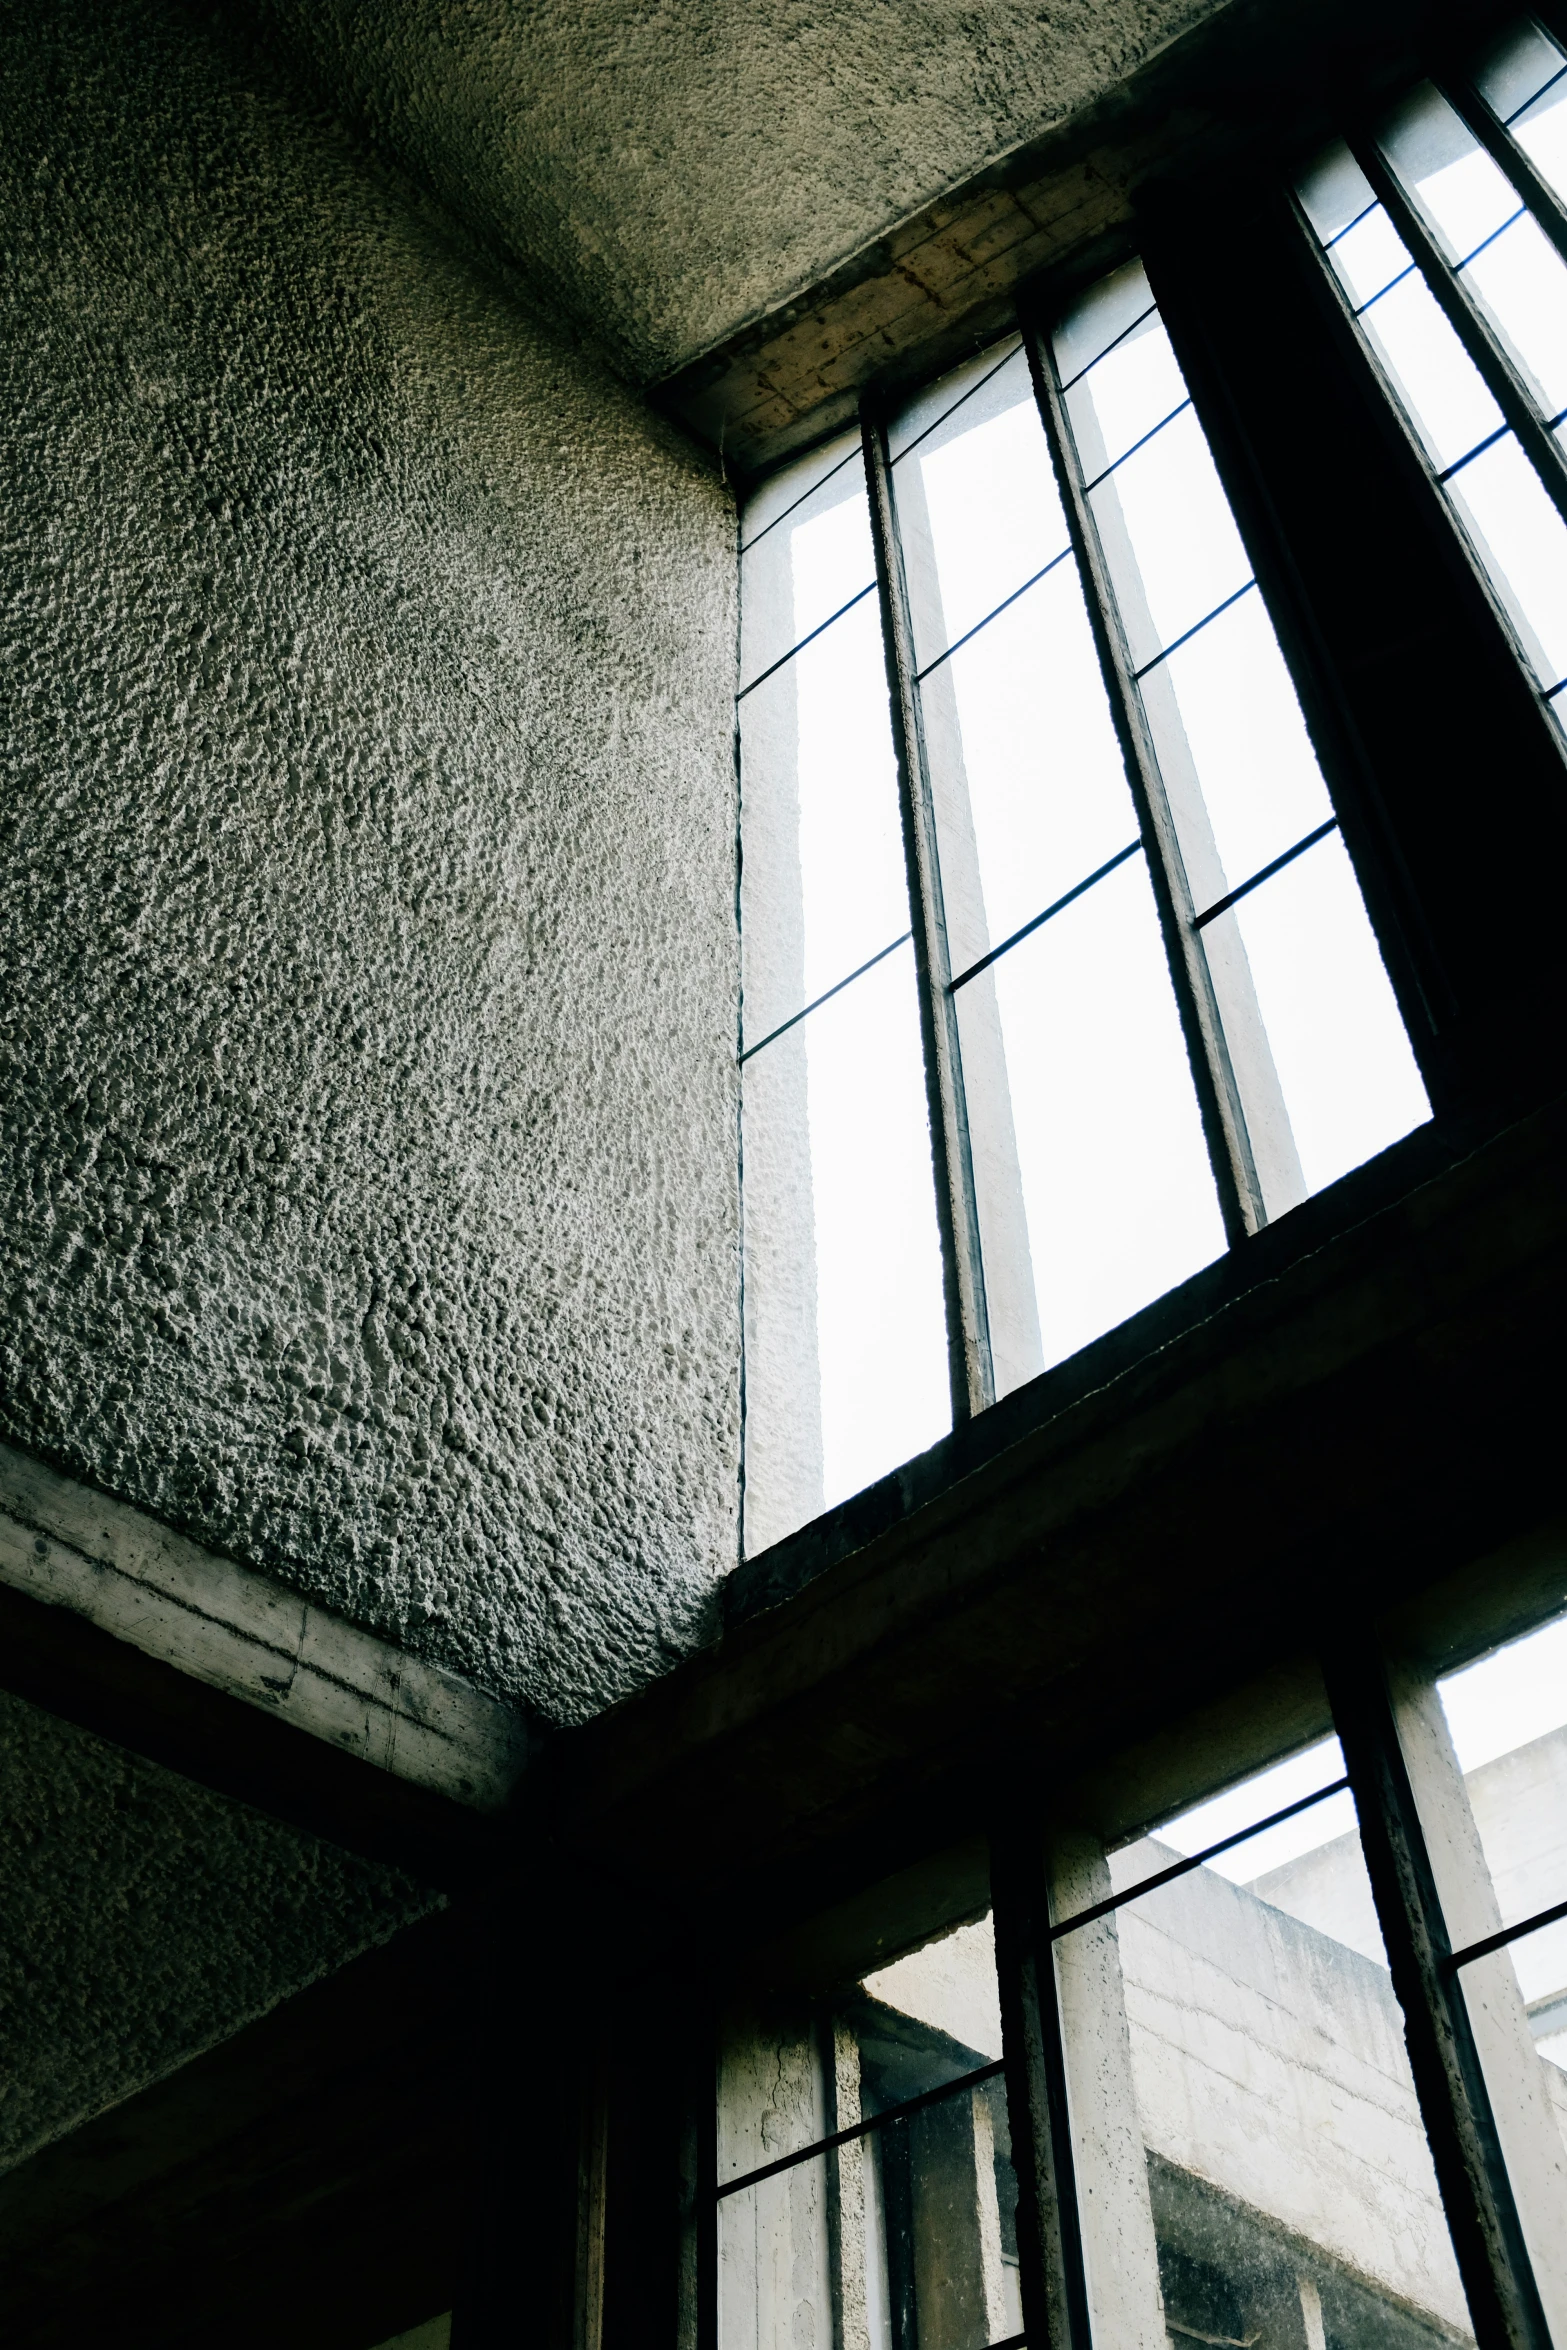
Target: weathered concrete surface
367, 1169
669, 173
144, 1919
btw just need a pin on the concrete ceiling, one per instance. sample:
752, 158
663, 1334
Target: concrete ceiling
665, 173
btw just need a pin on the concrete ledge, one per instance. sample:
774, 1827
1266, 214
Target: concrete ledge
252, 1638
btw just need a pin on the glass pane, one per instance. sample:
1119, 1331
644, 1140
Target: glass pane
846, 1364
822, 878
1508, 1719
1104, 1199
978, 510
1432, 372
1518, 69
1252, 2166
1026, 771
1169, 538
946, 396
1106, 313
1512, 271
807, 550
1127, 393
1522, 81
905, 2233
1457, 187
1499, 1846
1522, 541
1237, 720
1256, 1797
1350, 1082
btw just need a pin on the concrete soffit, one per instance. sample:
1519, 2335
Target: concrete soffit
1250, 92
253, 1639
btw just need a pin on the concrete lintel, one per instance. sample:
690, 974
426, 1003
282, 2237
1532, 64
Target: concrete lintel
251, 1637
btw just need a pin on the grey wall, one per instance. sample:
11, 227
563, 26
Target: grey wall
142, 1920
367, 980
671, 172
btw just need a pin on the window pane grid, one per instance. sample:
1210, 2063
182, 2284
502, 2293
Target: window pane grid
821, 628
863, 2129
1455, 371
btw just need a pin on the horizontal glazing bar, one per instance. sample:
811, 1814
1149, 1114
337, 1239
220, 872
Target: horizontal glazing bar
773, 667
1544, 1917
1478, 450
1364, 213
827, 994
1223, 905
1490, 240
1006, 602
831, 474
877, 2121
1153, 431
1196, 629
1509, 119
1387, 289
938, 421
1183, 1868
1056, 907
1118, 339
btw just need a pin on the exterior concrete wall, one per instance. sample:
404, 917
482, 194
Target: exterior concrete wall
143, 1920
369, 978
670, 173
1269, 2061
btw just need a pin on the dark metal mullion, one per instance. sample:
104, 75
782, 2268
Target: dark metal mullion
1469, 322
970, 1370
1229, 1146
1504, 151
1052, 2274
1455, 2105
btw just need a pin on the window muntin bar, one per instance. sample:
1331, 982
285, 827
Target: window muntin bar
1516, 530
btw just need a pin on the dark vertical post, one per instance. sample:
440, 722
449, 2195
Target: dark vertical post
970, 1369
1504, 2301
705, 2129
520, 2287
1224, 1122
1051, 2271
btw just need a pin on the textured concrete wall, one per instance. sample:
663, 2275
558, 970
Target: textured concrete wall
142, 1920
366, 839
672, 172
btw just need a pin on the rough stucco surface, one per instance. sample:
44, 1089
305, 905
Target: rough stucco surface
367, 984
144, 1920
671, 172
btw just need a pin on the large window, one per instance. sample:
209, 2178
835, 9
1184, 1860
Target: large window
1058, 973
1276, 2054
